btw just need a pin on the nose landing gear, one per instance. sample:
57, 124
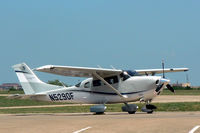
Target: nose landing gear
149, 108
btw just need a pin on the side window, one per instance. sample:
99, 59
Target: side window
87, 85
96, 83
115, 79
112, 80
108, 80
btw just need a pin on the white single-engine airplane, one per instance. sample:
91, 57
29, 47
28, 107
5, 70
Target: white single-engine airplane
103, 86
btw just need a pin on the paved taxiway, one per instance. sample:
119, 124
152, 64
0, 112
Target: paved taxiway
159, 122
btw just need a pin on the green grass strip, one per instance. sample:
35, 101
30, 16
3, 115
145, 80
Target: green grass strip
171, 107
7, 102
181, 92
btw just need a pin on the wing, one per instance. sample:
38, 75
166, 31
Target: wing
88, 71
77, 71
157, 71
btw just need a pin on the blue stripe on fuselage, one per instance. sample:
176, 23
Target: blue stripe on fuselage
107, 93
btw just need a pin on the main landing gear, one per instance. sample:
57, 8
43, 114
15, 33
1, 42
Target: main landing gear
130, 108
98, 109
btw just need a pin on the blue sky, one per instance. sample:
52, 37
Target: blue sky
126, 34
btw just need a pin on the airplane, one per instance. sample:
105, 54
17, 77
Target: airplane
102, 86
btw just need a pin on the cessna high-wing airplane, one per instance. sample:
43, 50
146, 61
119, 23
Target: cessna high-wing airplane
103, 86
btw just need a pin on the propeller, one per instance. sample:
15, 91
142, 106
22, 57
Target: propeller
159, 87
169, 87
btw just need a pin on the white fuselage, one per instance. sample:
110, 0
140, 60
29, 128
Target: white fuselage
95, 92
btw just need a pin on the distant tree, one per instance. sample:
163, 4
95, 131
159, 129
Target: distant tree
183, 88
12, 89
189, 88
56, 82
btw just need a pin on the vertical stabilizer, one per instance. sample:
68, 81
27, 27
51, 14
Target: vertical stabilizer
31, 84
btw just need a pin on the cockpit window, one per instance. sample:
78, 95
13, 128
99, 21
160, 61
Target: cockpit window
78, 85
131, 73
87, 85
125, 76
110, 80
96, 82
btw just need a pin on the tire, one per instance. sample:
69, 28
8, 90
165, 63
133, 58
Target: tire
150, 112
131, 112
99, 113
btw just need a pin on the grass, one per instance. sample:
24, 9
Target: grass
71, 109
12, 92
181, 92
6, 102
189, 106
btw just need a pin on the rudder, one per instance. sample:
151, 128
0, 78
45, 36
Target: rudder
31, 84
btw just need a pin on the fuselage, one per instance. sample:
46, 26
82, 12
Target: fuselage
93, 91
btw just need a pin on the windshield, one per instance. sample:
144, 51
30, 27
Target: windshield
132, 73
125, 76
78, 85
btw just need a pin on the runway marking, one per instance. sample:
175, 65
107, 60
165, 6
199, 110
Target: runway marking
82, 130
194, 129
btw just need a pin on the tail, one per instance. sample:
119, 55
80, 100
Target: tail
31, 84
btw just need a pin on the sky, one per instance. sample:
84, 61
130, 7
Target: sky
126, 34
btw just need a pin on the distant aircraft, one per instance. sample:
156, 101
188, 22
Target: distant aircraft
103, 86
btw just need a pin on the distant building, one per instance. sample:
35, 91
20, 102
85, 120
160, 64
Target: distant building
7, 86
195, 87
181, 84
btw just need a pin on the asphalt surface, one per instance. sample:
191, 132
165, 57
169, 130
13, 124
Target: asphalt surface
120, 122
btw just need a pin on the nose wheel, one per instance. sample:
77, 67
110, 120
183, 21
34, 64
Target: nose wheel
148, 108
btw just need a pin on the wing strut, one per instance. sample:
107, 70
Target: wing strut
100, 78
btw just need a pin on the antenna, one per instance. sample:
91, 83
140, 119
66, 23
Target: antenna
62, 84
187, 78
112, 67
99, 66
163, 67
